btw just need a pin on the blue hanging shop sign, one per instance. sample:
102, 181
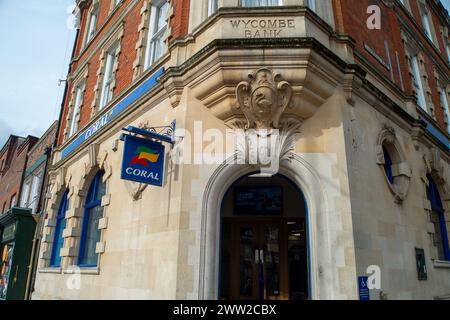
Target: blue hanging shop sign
143, 161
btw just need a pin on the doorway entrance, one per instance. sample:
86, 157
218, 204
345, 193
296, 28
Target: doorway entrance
264, 241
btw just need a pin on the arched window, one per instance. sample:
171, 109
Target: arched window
58, 240
93, 212
438, 219
388, 165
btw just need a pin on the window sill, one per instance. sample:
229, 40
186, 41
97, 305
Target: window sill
441, 264
82, 270
50, 270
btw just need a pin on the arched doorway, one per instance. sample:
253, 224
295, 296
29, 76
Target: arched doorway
264, 240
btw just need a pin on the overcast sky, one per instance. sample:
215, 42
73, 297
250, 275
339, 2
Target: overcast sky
35, 50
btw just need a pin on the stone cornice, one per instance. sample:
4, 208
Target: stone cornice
266, 43
211, 74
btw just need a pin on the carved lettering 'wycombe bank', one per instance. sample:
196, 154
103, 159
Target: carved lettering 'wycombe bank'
262, 28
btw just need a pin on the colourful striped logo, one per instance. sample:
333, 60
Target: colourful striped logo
145, 157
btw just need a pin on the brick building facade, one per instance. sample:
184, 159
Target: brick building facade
14, 159
366, 116
35, 177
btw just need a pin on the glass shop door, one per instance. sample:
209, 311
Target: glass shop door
268, 260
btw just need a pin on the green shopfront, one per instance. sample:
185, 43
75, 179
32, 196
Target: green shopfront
17, 229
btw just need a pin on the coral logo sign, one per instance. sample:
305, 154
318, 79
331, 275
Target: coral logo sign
144, 157
143, 161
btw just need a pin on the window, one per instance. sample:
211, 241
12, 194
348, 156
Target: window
25, 193
417, 83
260, 3
425, 20
93, 212
388, 165
34, 195
312, 5
426, 25
212, 7
108, 77
405, 4
438, 219
58, 240
447, 48
76, 110
445, 105
92, 26
158, 26
13, 201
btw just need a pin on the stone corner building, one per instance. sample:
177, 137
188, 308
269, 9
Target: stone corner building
364, 152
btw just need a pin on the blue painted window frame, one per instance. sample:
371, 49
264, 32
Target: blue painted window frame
91, 202
436, 206
388, 165
58, 240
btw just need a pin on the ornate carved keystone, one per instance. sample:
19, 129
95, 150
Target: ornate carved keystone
263, 99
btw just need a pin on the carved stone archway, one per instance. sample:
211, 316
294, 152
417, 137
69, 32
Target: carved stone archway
324, 274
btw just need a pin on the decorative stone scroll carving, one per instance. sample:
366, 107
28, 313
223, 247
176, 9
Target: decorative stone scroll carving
263, 99
266, 138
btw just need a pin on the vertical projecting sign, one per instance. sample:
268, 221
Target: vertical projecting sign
143, 161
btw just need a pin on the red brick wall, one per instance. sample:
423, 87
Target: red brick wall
10, 182
179, 23
124, 74
355, 25
41, 146
6, 153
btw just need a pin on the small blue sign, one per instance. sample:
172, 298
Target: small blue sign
143, 161
364, 292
